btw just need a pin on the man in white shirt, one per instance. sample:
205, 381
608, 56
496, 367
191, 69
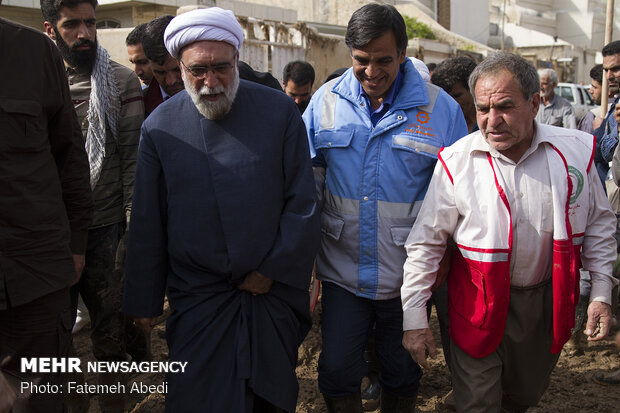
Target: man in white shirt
524, 207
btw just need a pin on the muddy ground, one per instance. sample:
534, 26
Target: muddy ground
571, 389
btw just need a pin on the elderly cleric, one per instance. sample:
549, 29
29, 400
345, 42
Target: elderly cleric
225, 222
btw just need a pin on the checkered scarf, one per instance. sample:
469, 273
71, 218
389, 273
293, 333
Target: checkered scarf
104, 106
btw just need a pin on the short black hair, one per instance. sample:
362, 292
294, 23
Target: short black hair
336, 73
611, 49
596, 73
153, 40
51, 8
262, 78
372, 21
135, 36
431, 66
299, 72
453, 70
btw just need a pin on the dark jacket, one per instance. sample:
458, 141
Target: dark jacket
45, 197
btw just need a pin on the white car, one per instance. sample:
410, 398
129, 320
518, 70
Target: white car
578, 96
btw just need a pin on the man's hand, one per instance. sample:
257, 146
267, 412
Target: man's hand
79, 261
256, 283
419, 343
617, 115
145, 324
599, 321
7, 395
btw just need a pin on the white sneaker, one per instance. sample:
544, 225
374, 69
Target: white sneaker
80, 320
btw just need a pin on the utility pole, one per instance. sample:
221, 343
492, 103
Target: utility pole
503, 23
609, 27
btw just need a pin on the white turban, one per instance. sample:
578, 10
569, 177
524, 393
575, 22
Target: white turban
202, 24
421, 68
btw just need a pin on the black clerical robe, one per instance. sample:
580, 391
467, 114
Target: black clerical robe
214, 200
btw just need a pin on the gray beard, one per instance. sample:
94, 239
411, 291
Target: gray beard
213, 110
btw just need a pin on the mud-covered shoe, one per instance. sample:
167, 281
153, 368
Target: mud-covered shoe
371, 395
448, 401
607, 379
574, 345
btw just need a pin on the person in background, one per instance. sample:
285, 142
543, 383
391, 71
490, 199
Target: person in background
142, 67
165, 68
297, 81
451, 75
431, 67
107, 98
607, 132
247, 72
554, 109
137, 57
586, 123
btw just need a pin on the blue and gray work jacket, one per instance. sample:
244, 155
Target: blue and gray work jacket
371, 180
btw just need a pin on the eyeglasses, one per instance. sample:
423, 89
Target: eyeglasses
219, 69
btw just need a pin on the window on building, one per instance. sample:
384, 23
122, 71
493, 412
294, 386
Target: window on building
108, 24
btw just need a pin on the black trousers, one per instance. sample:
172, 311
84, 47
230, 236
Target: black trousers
40, 328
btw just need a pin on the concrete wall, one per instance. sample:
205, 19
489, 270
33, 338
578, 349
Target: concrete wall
326, 54
113, 40
26, 16
470, 19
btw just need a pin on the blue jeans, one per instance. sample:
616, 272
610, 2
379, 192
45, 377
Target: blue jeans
346, 324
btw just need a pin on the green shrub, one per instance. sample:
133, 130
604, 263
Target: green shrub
417, 29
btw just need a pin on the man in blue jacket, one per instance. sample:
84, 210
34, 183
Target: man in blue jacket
374, 137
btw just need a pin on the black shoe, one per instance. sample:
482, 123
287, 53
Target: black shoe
347, 404
391, 403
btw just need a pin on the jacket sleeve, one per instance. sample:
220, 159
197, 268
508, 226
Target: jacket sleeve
615, 166
130, 121
297, 241
67, 146
147, 257
609, 140
598, 253
318, 162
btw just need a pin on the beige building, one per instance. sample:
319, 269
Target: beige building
278, 31
566, 34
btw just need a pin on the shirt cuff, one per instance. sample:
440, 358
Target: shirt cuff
415, 319
601, 288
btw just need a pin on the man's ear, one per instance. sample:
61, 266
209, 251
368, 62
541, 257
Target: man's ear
49, 30
535, 103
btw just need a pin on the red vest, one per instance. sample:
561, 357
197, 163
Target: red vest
479, 281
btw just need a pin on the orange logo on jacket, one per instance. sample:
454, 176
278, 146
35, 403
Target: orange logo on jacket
423, 117
419, 127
